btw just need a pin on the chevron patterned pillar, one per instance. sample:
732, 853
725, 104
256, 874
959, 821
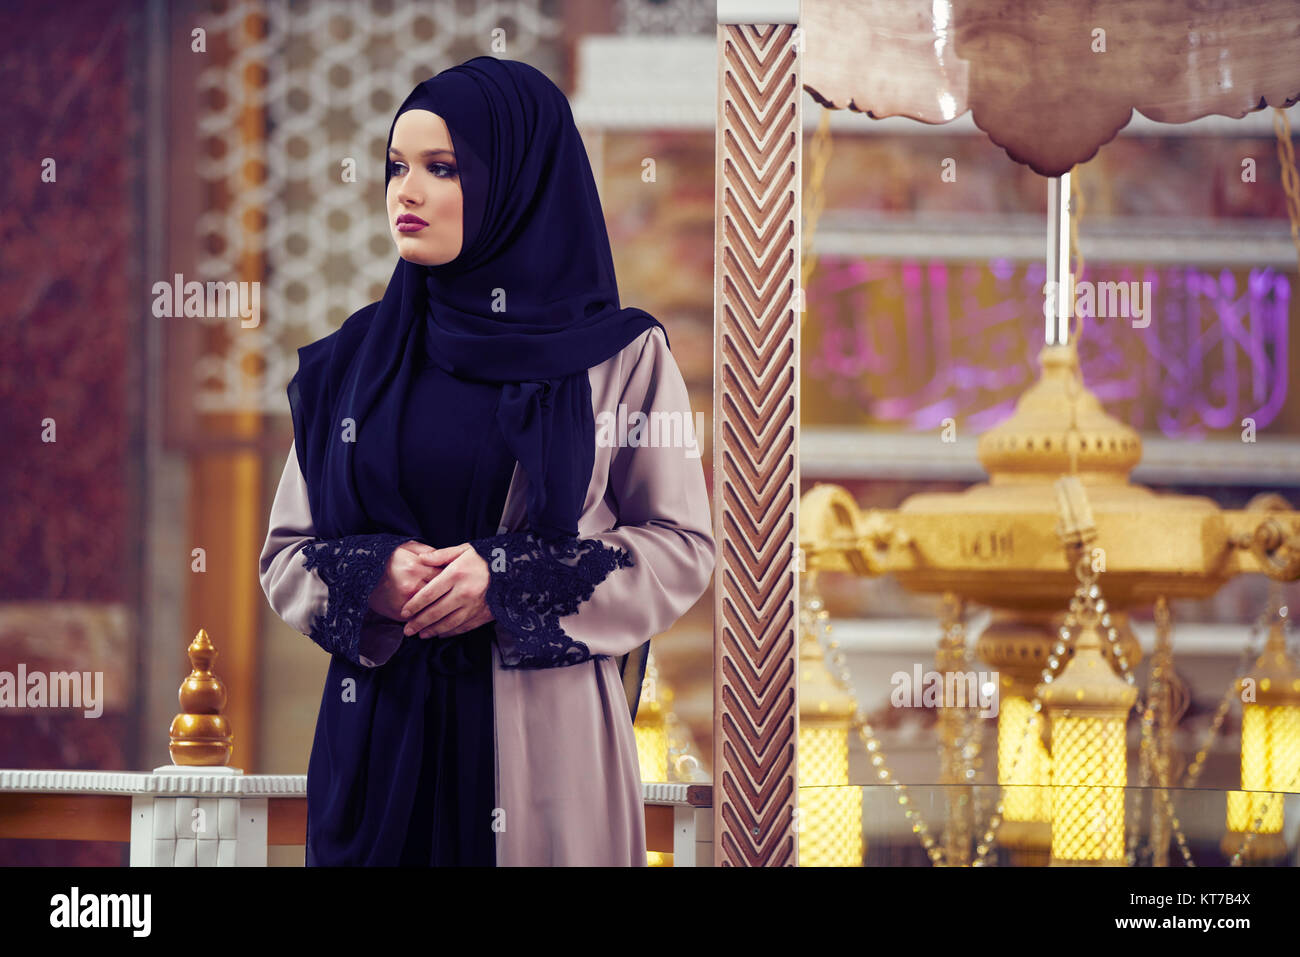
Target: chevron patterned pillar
756, 305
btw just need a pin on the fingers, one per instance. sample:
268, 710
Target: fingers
457, 623
444, 605
413, 569
430, 557
443, 556
413, 559
420, 553
429, 621
430, 592
449, 624
440, 615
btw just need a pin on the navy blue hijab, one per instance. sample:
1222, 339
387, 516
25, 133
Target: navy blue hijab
530, 302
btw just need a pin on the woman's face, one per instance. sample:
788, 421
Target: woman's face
424, 197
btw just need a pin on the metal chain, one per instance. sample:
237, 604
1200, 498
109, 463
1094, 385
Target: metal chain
814, 202
1290, 178
1250, 651
840, 675
1133, 810
1157, 753
1268, 801
1259, 821
1066, 638
1088, 591
1087, 595
1146, 757
960, 735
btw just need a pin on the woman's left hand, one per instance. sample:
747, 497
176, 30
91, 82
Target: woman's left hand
452, 602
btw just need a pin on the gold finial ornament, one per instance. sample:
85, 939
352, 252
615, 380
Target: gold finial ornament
1059, 428
200, 734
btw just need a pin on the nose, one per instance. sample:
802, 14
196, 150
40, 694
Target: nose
407, 195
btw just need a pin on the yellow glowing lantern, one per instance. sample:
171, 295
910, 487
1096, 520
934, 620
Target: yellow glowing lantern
1270, 750
830, 812
652, 742
1087, 710
1024, 767
650, 728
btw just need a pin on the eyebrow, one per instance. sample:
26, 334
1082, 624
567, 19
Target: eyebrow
396, 152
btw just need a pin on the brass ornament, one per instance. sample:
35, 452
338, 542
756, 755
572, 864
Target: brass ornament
200, 734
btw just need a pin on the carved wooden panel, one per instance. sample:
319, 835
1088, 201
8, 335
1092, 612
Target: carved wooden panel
756, 451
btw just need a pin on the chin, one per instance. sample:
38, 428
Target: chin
423, 257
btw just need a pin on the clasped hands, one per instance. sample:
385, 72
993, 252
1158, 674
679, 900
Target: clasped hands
436, 591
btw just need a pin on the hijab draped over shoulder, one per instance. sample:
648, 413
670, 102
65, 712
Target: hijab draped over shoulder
531, 302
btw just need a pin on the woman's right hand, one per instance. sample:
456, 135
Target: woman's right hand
408, 571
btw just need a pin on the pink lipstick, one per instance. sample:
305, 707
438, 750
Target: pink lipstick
410, 223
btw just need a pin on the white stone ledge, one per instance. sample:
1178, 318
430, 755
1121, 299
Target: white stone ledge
136, 782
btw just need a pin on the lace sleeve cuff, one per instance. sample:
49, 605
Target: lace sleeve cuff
533, 584
351, 567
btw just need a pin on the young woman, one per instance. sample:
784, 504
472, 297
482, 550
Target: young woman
493, 500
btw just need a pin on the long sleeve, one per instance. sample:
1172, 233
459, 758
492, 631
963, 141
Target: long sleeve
321, 587
564, 602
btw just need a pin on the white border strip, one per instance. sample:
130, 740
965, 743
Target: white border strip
639, 81
1213, 243
131, 782
919, 636
758, 11
839, 453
